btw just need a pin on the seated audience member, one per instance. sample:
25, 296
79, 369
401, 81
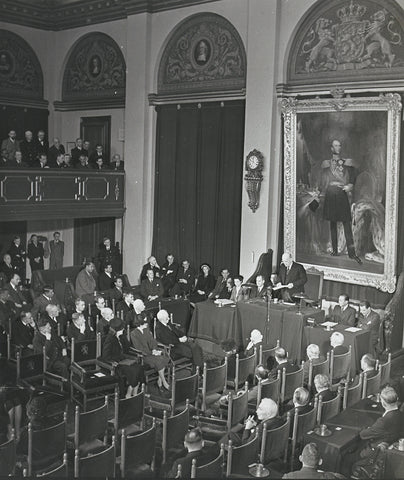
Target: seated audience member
22, 333
337, 343
7, 267
370, 320
56, 320
194, 448
97, 155
311, 460
117, 163
151, 288
125, 307
8, 311
96, 310
9, 146
386, 430
109, 254
137, 315
104, 321
260, 291
226, 292
255, 342
185, 278
17, 162
313, 354
100, 165
42, 161
82, 163
85, 282
221, 285
116, 293
55, 348
291, 274
35, 253
182, 346
55, 151
67, 159
77, 151
322, 384
15, 294
106, 278
343, 313
143, 340
299, 402
151, 264
18, 255
169, 272
261, 373
60, 161
205, 283
42, 301
79, 329
267, 413
282, 362
368, 365
238, 292
27, 147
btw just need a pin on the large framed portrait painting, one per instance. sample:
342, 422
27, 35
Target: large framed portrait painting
341, 165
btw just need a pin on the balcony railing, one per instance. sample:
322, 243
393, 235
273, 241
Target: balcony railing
48, 193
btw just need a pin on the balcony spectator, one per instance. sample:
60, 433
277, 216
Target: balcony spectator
42, 161
117, 163
100, 165
67, 161
77, 151
18, 256
41, 144
9, 146
57, 250
59, 161
82, 163
86, 146
27, 147
54, 151
17, 162
98, 154
7, 267
35, 253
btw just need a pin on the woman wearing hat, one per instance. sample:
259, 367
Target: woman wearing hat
205, 283
115, 350
143, 340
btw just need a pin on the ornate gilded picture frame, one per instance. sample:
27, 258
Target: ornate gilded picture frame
341, 165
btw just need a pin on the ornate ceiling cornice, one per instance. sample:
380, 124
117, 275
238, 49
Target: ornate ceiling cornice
62, 15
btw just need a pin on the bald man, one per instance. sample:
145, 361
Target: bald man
291, 274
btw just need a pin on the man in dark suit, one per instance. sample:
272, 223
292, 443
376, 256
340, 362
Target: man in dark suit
82, 163
343, 313
267, 414
7, 267
170, 334
54, 151
313, 354
18, 161
96, 310
57, 251
260, 291
221, 284
109, 254
186, 278
106, 278
337, 343
322, 384
9, 146
56, 320
299, 402
116, 293
7, 310
151, 288
169, 271
151, 264
40, 303
370, 320
27, 147
125, 307
41, 144
291, 274
22, 332
77, 151
98, 154
282, 362
15, 295
117, 163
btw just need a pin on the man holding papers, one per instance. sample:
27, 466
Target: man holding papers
291, 278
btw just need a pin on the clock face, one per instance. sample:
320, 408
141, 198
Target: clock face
253, 162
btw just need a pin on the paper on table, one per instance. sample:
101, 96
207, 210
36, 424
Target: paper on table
278, 287
353, 329
223, 301
99, 374
329, 324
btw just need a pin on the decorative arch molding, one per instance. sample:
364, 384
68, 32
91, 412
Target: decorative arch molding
347, 42
204, 55
94, 76
21, 77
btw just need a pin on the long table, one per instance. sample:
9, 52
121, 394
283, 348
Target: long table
281, 322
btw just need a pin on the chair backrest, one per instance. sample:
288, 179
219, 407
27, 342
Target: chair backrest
238, 408
83, 351
302, 424
264, 267
385, 370
128, 410
275, 442
238, 458
269, 389
174, 429
244, 368
213, 380
59, 472
315, 369
138, 449
314, 285
30, 367
265, 353
8, 456
340, 365
90, 425
289, 383
183, 389
328, 409
371, 385
46, 445
213, 469
352, 394
100, 465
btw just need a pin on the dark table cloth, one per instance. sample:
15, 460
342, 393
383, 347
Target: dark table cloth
355, 419
394, 467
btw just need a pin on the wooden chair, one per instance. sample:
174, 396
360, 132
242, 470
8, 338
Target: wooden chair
340, 365
100, 464
289, 383
302, 424
213, 381
137, 450
8, 456
352, 394
315, 369
174, 429
46, 446
265, 353
213, 469
242, 369
264, 267
128, 412
269, 389
371, 386
326, 410
89, 428
59, 472
385, 370
239, 458
314, 286
275, 443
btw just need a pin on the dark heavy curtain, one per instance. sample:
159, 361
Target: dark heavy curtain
198, 183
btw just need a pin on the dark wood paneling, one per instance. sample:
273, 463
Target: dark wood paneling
88, 235
97, 130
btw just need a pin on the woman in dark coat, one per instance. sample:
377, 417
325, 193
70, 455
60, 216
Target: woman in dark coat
18, 254
143, 340
204, 285
35, 253
114, 351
